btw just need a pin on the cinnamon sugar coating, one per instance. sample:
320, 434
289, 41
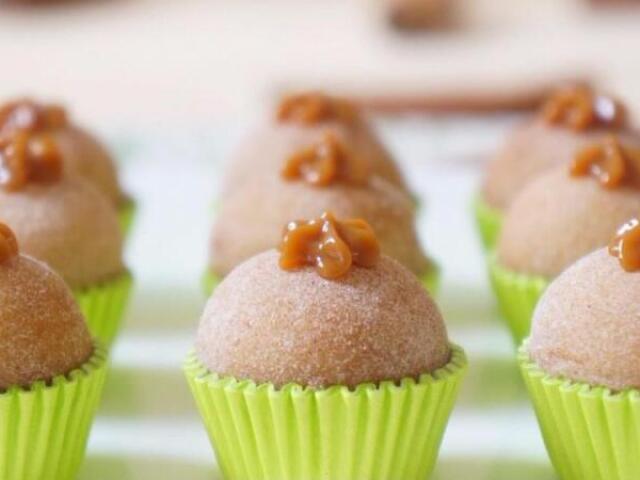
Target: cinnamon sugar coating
43, 331
558, 219
81, 152
270, 325
69, 226
587, 324
266, 149
252, 219
86, 157
531, 150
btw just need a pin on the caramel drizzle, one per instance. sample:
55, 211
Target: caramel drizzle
625, 246
327, 162
331, 246
580, 108
607, 161
8, 243
27, 157
27, 115
315, 107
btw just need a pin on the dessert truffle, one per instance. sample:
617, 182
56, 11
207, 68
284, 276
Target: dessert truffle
322, 312
300, 121
558, 219
43, 331
68, 225
587, 325
250, 220
63, 221
570, 120
420, 14
82, 153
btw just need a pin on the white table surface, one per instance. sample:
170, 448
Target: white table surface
148, 426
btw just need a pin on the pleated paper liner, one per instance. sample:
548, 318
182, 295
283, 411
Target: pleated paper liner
126, 215
430, 280
103, 306
590, 432
488, 223
388, 431
517, 296
44, 429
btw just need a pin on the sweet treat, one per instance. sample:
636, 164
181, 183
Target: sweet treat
51, 372
65, 222
572, 119
82, 154
582, 359
324, 317
420, 14
560, 217
250, 219
300, 122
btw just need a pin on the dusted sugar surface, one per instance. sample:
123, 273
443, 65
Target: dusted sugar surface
43, 333
252, 219
559, 219
531, 150
83, 155
69, 226
266, 149
587, 325
270, 325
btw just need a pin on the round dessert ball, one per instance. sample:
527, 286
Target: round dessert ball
270, 325
268, 147
43, 331
531, 150
69, 226
251, 220
587, 324
85, 156
558, 219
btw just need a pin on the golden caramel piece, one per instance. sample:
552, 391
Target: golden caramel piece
27, 157
315, 107
608, 161
330, 245
579, 108
326, 162
8, 243
26, 114
626, 245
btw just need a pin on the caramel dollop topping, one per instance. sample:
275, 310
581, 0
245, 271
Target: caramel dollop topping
580, 108
8, 243
611, 163
626, 245
315, 107
27, 157
31, 116
326, 162
332, 246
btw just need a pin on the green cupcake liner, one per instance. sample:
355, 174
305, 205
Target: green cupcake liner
103, 306
591, 433
517, 296
372, 432
126, 215
209, 282
488, 222
430, 280
44, 429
